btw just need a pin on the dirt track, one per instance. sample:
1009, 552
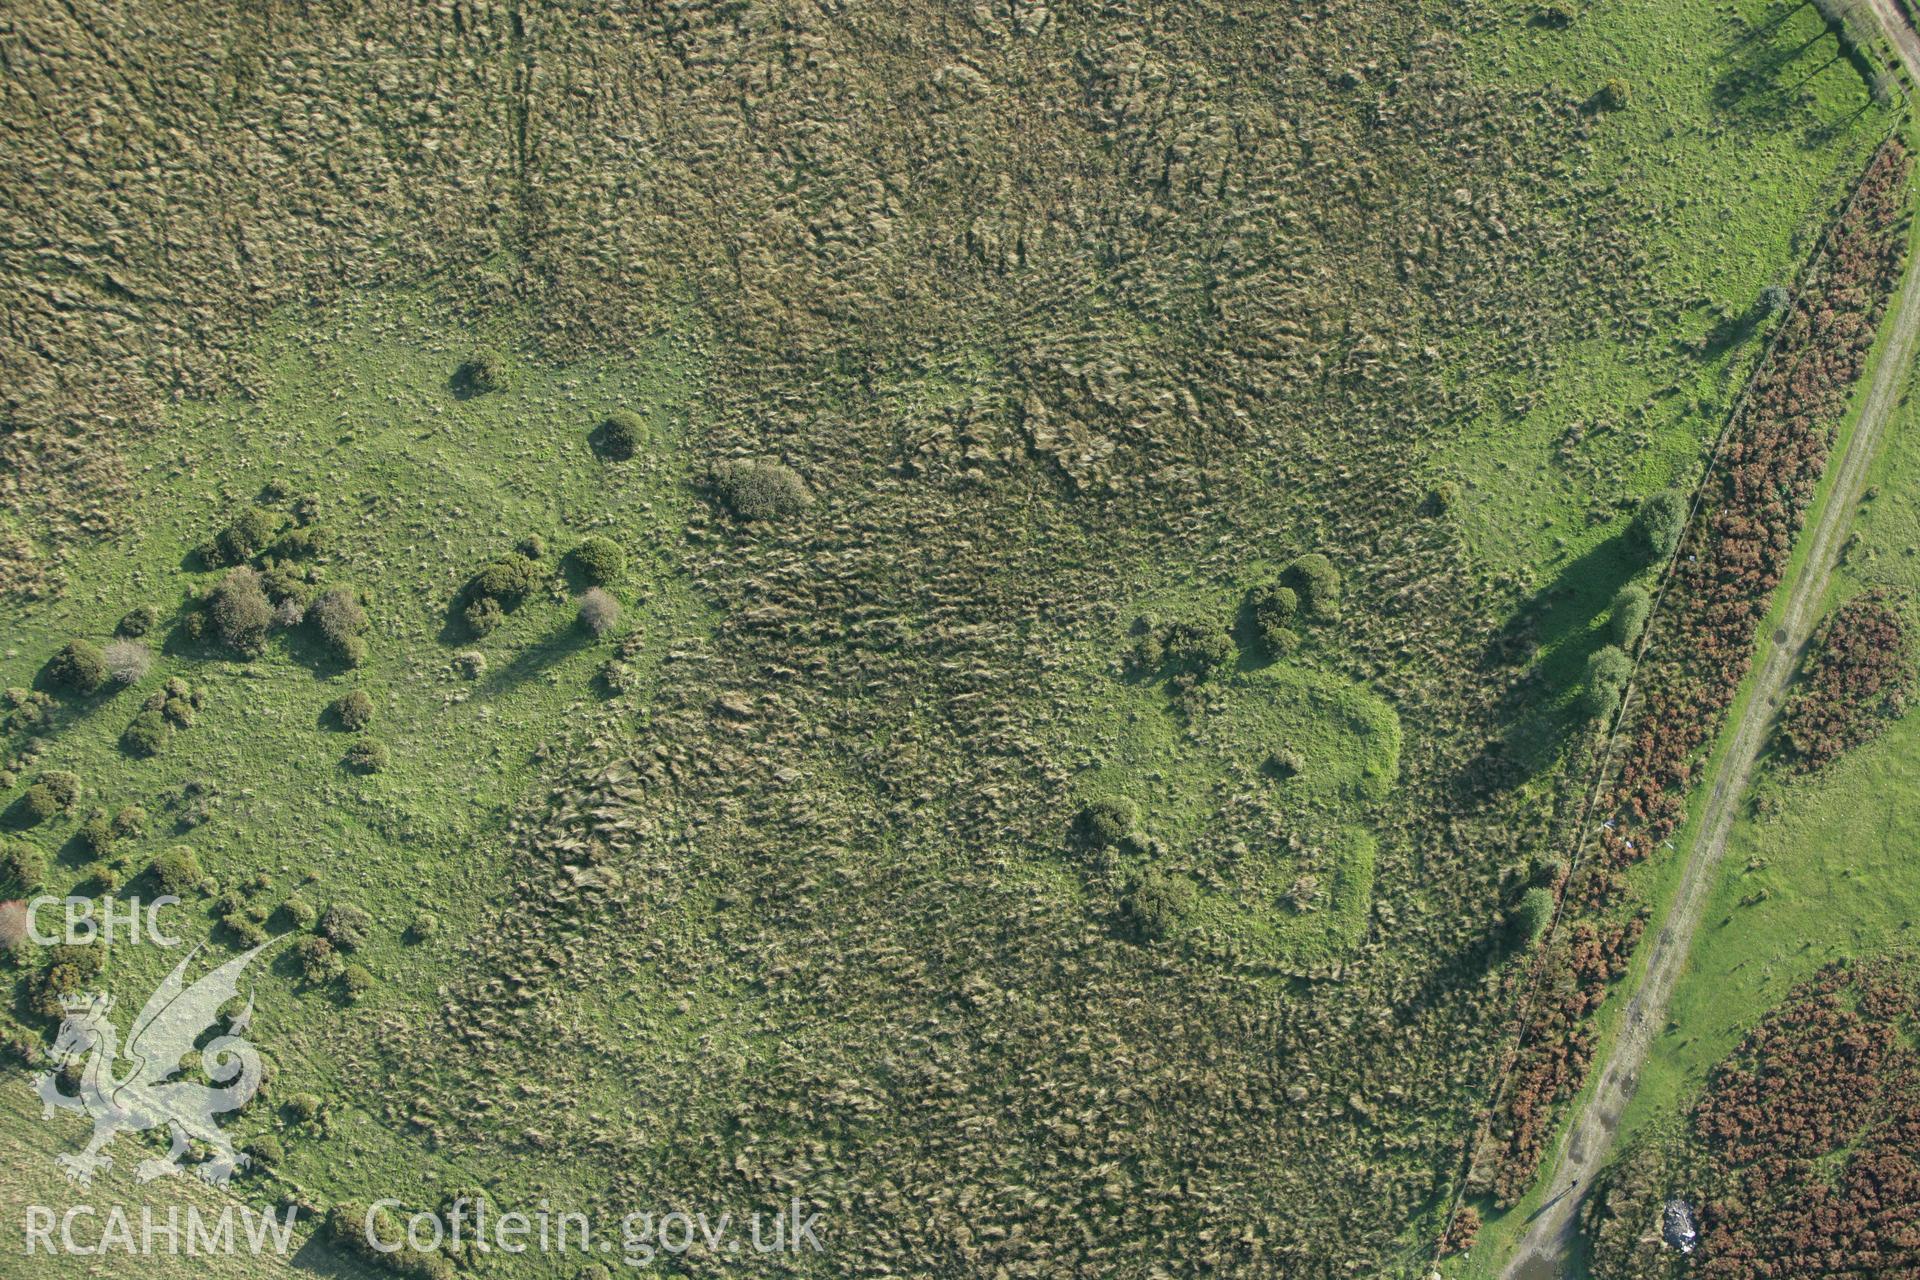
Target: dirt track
1539, 1253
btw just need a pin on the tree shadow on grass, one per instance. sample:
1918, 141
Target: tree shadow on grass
537, 658
1551, 636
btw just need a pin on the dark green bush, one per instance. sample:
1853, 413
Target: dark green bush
317, 959
1607, 673
303, 543
299, 911
1274, 610
1656, 527
79, 666
480, 373
1316, 582
96, 834
507, 580
266, 1151
242, 540
1105, 822
598, 560
356, 980
346, 926
483, 616
23, 868
353, 711
619, 437
146, 736
338, 618
305, 1108
36, 804
1196, 647
1533, 914
241, 612
367, 756
177, 871
1157, 904
1630, 610
138, 621
65, 786
760, 489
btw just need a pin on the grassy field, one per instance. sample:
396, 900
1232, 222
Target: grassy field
1060, 318
1745, 127
417, 487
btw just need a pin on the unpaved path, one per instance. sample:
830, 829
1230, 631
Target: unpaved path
1541, 1251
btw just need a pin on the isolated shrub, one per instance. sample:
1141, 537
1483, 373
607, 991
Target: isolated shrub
483, 616
1156, 904
289, 613
242, 540
1608, 671
758, 489
1656, 527
266, 1151
423, 926
338, 618
177, 871
619, 437
353, 710
128, 661
599, 611
507, 580
27, 711
356, 980
65, 786
138, 621
471, 664
1284, 763
598, 560
79, 666
241, 612
1773, 300
367, 756
317, 958
1316, 582
1105, 822
1532, 915
36, 804
1630, 610
532, 547
245, 929
1197, 648
299, 911
346, 926
177, 701
96, 834
353, 652
23, 867
480, 373
1614, 95
130, 822
305, 1108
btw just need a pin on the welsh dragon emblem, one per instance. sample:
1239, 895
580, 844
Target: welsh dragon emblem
146, 1096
